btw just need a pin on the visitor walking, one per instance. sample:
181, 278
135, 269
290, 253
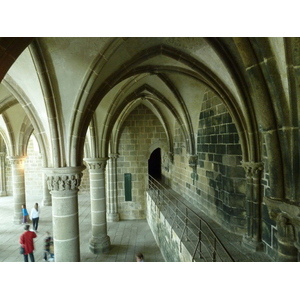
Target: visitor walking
34, 216
48, 248
26, 241
25, 214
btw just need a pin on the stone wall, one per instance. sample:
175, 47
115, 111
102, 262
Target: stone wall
219, 157
140, 131
218, 184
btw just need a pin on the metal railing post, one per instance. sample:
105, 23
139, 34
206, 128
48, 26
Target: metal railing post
215, 250
200, 236
186, 224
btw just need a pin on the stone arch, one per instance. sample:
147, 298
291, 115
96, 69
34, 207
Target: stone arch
199, 71
131, 102
11, 48
33, 117
53, 111
7, 142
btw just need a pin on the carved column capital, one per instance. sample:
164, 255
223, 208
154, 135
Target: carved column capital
96, 163
64, 179
193, 159
253, 168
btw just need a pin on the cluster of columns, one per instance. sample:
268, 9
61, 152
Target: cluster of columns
61, 191
253, 238
64, 183
287, 223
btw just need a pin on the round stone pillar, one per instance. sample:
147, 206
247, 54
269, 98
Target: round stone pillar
3, 191
112, 209
63, 184
18, 186
100, 241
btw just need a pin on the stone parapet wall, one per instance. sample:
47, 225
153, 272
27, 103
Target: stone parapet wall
166, 238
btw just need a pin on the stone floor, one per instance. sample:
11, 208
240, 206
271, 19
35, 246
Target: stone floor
127, 237
87, 279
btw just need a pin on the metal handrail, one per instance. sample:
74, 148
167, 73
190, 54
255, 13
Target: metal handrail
195, 233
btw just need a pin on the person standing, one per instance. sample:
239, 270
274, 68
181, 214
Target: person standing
25, 214
34, 216
48, 247
26, 241
139, 257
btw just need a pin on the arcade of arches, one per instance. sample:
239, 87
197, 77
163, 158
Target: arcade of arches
215, 119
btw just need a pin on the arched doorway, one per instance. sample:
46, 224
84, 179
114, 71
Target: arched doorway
154, 164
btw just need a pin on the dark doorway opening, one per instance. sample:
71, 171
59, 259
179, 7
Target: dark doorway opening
154, 164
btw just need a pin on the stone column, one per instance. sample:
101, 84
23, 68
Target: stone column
253, 205
112, 209
3, 191
47, 201
18, 186
63, 184
100, 241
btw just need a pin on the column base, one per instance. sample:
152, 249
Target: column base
113, 217
257, 246
3, 193
100, 245
17, 220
